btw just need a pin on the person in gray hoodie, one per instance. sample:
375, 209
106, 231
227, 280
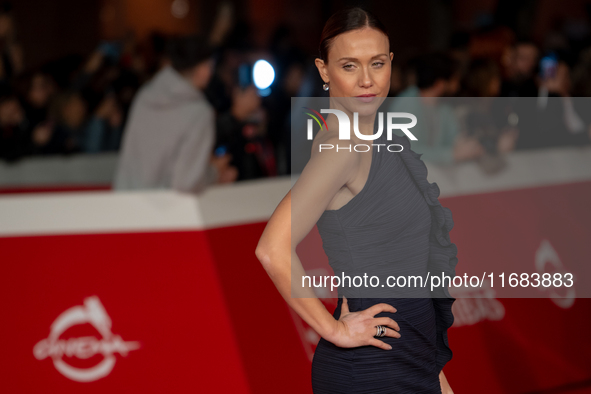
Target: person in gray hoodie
170, 133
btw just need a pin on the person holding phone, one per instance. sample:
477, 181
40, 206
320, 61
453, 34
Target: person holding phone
553, 119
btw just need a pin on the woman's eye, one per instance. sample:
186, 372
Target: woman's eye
378, 64
348, 66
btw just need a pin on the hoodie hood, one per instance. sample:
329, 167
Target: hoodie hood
169, 89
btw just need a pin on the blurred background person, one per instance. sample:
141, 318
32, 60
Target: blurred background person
38, 89
240, 133
520, 62
104, 129
435, 76
13, 131
170, 134
553, 120
487, 118
68, 124
11, 54
243, 127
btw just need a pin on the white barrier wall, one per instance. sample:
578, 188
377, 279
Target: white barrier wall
88, 169
221, 205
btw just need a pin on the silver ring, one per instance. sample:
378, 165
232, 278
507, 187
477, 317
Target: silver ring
380, 331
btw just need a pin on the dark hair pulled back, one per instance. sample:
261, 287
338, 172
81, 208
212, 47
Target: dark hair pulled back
344, 21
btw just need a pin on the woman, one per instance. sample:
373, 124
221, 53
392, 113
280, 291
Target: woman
382, 201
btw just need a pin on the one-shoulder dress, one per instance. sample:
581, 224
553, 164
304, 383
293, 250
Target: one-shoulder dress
394, 226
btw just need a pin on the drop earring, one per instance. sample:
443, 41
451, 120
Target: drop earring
325, 87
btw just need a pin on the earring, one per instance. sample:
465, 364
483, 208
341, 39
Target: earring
325, 87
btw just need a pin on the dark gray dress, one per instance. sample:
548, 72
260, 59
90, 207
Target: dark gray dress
394, 226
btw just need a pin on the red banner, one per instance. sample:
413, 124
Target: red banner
194, 311
115, 313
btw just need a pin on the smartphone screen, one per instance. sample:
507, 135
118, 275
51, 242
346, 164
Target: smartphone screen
548, 66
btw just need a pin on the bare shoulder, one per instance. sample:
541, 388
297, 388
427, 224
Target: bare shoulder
327, 154
325, 175
327, 172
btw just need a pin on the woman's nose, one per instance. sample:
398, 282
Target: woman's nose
365, 80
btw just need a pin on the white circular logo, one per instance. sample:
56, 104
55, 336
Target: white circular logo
93, 313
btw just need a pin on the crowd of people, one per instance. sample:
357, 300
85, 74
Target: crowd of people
68, 106
83, 105
480, 108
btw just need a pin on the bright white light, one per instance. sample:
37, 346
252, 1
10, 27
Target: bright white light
263, 74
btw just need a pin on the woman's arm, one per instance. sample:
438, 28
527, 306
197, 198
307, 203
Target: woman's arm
276, 255
296, 215
445, 387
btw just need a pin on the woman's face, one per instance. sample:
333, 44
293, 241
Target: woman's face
359, 65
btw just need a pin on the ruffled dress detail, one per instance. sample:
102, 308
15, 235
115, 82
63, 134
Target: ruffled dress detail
442, 253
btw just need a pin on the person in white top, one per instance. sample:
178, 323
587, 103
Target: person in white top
170, 133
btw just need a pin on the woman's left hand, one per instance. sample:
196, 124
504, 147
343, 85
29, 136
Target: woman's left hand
445, 387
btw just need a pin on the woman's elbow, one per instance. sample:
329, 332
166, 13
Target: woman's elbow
263, 253
271, 256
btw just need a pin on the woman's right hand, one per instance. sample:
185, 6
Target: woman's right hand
355, 329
